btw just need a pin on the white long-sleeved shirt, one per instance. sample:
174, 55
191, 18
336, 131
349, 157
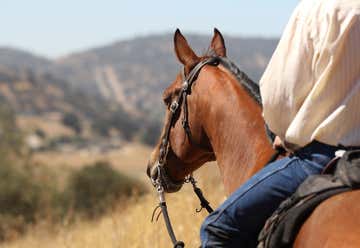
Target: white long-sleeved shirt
311, 87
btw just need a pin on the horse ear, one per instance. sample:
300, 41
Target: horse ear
218, 44
183, 51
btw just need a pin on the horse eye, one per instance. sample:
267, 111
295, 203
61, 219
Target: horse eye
169, 95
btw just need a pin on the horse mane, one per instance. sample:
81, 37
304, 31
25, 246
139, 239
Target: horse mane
250, 86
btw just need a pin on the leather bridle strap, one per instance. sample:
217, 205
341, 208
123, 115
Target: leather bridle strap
190, 80
182, 99
164, 148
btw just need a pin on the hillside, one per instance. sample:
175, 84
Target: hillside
117, 86
20, 59
49, 107
128, 72
31, 93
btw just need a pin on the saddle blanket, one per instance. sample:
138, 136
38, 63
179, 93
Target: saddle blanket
281, 228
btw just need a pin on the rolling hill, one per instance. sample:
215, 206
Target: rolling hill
123, 79
128, 72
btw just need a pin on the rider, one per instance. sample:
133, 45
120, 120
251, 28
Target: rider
311, 101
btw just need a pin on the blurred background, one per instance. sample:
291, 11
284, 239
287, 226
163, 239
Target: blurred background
80, 108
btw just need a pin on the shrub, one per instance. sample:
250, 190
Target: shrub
19, 200
117, 119
11, 142
18, 195
71, 120
26, 195
40, 133
96, 188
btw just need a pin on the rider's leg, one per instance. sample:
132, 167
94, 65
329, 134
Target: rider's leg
237, 222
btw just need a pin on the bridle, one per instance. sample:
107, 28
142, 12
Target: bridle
174, 108
162, 179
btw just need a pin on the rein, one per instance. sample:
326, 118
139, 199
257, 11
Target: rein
161, 177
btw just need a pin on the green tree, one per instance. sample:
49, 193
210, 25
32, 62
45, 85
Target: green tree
71, 120
10, 136
150, 134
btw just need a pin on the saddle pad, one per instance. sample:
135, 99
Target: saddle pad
282, 227
282, 232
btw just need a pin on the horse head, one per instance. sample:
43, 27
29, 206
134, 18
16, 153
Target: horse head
184, 145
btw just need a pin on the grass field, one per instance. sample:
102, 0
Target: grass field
129, 224
130, 159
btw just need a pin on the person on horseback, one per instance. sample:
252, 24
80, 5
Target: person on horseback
311, 101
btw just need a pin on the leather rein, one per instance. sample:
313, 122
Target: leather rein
162, 178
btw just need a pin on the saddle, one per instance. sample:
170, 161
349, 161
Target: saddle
281, 228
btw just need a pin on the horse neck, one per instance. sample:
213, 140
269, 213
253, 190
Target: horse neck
235, 128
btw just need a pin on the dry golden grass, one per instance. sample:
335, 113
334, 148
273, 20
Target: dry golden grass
130, 159
129, 226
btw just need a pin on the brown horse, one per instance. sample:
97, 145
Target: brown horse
225, 119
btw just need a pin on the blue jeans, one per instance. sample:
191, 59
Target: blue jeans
238, 221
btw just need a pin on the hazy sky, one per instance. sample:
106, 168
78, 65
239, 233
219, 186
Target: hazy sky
54, 28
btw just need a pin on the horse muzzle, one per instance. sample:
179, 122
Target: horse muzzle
159, 176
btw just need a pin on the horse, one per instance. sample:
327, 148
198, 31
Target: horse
223, 122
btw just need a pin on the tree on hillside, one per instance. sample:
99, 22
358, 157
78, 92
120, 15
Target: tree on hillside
10, 136
117, 119
71, 120
150, 133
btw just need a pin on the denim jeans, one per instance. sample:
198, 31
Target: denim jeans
238, 221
